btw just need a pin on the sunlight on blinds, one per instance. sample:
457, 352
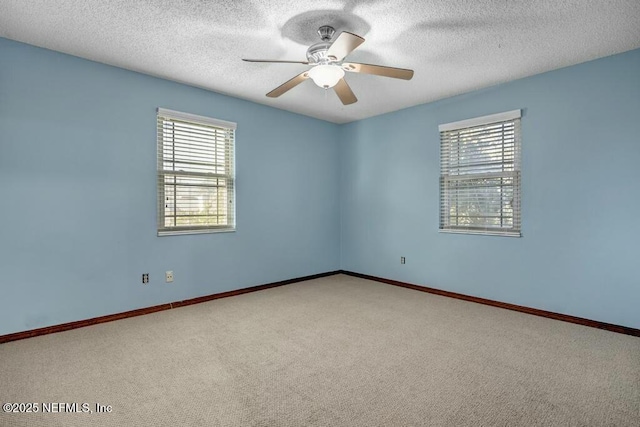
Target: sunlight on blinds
480, 175
195, 174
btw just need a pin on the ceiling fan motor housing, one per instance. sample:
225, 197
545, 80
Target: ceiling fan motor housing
317, 53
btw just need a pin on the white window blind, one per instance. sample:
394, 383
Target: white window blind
480, 175
196, 189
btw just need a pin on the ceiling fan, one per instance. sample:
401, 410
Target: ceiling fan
328, 66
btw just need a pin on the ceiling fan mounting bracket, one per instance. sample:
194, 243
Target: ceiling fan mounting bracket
326, 32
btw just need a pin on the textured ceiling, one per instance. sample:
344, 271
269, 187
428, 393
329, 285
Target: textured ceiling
454, 46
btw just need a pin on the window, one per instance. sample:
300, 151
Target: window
195, 174
480, 175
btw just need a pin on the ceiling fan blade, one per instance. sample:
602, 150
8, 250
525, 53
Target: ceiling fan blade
276, 61
288, 85
344, 45
378, 70
344, 92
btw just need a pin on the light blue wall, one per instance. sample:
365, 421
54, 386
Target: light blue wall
78, 193
78, 203
579, 252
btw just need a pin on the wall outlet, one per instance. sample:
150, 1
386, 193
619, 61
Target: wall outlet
145, 278
169, 276
402, 260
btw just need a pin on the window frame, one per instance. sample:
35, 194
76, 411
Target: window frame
163, 115
449, 173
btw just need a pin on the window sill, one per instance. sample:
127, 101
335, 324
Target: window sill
483, 232
183, 232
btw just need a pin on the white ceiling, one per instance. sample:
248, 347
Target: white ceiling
454, 46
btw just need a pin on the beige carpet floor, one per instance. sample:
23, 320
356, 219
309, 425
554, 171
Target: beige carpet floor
336, 351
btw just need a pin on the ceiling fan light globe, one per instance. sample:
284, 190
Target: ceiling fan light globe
326, 76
